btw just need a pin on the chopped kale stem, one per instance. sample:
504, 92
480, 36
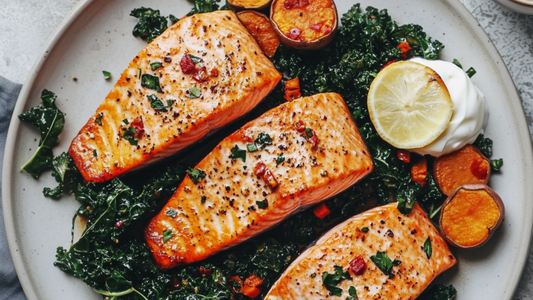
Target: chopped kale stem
112, 257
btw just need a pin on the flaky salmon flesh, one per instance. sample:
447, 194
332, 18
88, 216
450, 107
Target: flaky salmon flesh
349, 246
291, 157
200, 74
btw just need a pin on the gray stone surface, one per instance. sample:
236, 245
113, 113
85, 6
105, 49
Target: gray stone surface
26, 27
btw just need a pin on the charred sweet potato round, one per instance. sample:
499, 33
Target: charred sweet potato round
261, 29
470, 215
304, 24
464, 166
249, 4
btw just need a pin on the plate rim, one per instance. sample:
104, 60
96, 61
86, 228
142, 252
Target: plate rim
516, 7
28, 287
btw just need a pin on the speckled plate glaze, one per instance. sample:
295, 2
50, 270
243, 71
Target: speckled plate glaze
519, 6
97, 36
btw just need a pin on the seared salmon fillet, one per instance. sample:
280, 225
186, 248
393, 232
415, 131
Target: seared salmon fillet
291, 157
350, 246
201, 73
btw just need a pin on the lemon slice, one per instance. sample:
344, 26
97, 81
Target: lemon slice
409, 105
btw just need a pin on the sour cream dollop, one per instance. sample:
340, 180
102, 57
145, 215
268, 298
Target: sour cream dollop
470, 110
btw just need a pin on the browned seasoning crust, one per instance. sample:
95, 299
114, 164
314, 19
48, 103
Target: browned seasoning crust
222, 210
401, 237
235, 77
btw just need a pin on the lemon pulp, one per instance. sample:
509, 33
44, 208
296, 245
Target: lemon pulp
409, 105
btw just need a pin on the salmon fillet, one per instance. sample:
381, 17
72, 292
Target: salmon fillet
165, 101
232, 203
401, 237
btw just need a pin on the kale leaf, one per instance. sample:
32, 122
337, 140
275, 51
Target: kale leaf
439, 292
50, 121
66, 174
151, 24
203, 6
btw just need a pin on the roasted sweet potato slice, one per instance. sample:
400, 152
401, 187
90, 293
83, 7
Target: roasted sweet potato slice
249, 4
464, 166
470, 215
260, 28
304, 24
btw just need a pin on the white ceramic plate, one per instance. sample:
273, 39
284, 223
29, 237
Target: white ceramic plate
519, 6
97, 36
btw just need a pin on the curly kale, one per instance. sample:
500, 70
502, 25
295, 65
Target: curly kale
151, 24
50, 121
66, 174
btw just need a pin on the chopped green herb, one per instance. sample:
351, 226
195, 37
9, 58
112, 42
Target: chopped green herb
353, 293
203, 199
427, 248
457, 63
471, 72
196, 175
280, 159
313, 275
171, 213
496, 164
129, 135
156, 65
263, 140
151, 24
364, 229
157, 104
396, 262
95, 153
98, 120
107, 75
151, 82
330, 281
194, 92
195, 59
252, 147
308, 132
262, 204
245, 167
167, 235
139, 73
384, 263
125, 121
238, 153
50, 121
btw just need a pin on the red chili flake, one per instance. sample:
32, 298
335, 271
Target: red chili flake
175, 284
314, 139
316, 27
404, 155
289, 4
214, 73
295, 33
358, 265
201, 75
327, 29
479, 169
205, 271
119, 224
300, 126
138, 125
262, 170
387, 64
404, 47
186, 64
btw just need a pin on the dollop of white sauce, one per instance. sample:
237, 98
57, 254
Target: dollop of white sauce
470, 110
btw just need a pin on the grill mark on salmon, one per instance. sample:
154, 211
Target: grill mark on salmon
227, 206
238, 76
346, 241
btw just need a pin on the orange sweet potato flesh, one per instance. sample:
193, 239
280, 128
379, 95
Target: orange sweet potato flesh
465, 166
260, 28
467, 219
292, 89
